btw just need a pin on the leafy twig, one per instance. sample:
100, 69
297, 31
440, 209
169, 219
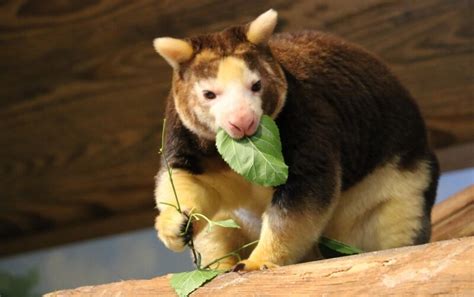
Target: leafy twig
233, 253
196, 254
168, 168
190, 243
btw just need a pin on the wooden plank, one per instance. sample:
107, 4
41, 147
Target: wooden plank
75, 232
441, 268
82, 91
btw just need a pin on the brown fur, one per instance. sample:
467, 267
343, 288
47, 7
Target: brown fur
352, 136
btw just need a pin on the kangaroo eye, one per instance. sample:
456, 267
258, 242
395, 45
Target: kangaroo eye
256, 87
209, 95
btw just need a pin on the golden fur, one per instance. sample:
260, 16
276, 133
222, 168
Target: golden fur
385, 205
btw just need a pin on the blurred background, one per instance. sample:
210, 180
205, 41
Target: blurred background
81, 107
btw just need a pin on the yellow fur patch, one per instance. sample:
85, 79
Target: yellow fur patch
205, 56
285, 244
221, 241
218, 194
290, 239
242, 49
383, 210
232, 69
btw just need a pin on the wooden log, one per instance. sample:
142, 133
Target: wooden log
453, 218
440, 268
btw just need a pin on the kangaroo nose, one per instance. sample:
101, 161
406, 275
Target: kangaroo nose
242, 125
235, 126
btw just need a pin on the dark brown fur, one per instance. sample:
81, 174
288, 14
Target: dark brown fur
345, 113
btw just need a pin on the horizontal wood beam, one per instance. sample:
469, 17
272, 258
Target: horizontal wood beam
87, 230
456, 156
443, 268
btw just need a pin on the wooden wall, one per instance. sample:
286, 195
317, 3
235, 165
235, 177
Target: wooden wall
82, 91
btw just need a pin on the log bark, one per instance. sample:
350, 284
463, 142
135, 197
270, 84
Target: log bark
439, 268
444, 268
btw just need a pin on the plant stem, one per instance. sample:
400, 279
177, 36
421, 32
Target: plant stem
188, 224
209, 222
169, 204
233, 253
170, 173
196, 255
197, 215
190, 244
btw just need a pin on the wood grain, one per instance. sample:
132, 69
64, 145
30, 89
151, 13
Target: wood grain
81, 93
441, 268
453, 217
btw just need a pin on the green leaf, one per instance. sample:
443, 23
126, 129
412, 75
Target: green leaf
230, 223
185, 283
331, 248
258, 158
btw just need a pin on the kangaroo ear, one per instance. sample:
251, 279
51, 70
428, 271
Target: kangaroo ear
261, 29
174, 51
